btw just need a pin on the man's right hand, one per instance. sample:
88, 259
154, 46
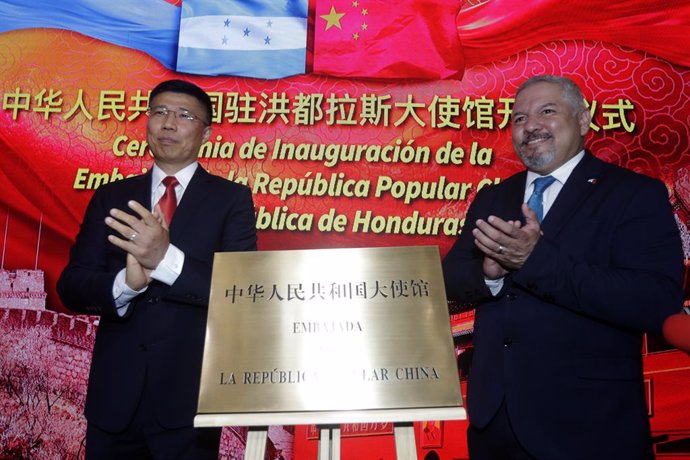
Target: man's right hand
136, 276
492, 269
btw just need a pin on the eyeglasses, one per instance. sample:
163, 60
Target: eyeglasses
160, 113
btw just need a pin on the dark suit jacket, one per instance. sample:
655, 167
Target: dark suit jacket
162, 336
561, 343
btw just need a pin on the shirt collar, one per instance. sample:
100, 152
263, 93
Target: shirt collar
183, 176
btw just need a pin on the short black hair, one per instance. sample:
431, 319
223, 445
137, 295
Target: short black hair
185, 87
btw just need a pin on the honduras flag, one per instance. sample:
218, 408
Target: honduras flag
249, 38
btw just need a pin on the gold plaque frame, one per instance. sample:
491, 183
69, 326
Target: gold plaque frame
328, 336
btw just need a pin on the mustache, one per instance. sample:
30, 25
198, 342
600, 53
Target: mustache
535, 136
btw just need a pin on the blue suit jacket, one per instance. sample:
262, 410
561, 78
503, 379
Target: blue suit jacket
561, 342
162, 336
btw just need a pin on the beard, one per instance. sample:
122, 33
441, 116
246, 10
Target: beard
536, 161
535, 158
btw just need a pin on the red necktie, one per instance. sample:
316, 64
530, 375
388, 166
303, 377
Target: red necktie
168, 201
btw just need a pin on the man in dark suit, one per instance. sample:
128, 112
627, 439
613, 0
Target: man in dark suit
561, 305
142, 261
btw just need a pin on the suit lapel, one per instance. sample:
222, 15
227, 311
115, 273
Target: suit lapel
186, 212
576, 190
517, 194
510, 209
141, 192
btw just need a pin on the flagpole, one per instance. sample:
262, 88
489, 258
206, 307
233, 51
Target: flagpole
4, 241
38, 241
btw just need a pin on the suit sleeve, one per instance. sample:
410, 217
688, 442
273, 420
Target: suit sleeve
636, 280
238, 233
86, 284
462, 266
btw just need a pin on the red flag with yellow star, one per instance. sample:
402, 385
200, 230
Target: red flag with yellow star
392, 39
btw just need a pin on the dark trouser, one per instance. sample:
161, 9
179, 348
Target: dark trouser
146, 439
496, 441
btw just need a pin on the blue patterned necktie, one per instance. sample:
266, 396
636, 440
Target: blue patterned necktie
535, 201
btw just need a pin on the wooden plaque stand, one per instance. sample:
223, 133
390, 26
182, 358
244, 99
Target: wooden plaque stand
329, 442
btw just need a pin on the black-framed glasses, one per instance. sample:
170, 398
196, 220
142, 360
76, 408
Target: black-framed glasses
182, 115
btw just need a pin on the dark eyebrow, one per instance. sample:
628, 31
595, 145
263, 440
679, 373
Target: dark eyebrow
541, 107
548, 104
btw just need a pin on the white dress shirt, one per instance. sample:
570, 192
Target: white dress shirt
170, 267
550, 193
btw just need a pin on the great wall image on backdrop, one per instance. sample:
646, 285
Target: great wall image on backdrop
44, 368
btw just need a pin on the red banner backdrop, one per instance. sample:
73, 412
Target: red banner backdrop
342, 162
400, 161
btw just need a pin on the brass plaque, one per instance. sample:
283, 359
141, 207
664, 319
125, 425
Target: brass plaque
317, 336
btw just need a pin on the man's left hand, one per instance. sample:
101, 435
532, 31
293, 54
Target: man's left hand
508, 242
145, 237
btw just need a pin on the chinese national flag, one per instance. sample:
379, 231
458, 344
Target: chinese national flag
395, 39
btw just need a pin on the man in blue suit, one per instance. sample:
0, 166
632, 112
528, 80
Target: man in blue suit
561, 304
142, 261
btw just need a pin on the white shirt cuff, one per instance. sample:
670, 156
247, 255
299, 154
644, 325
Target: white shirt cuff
494, 286
169, 269
123, 294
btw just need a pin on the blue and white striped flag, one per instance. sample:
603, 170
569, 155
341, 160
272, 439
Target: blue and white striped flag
248, 38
